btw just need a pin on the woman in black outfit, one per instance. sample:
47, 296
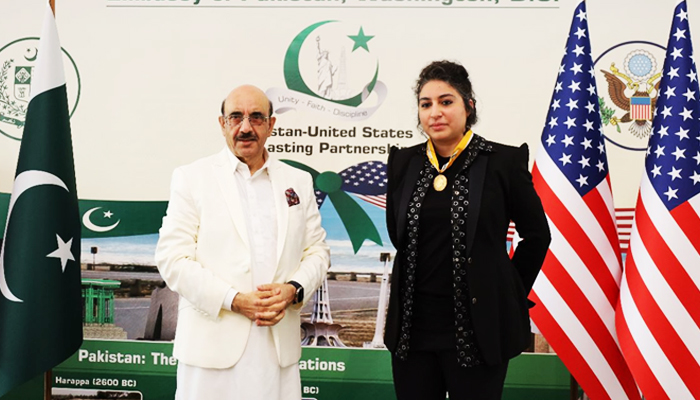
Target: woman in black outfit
458, 309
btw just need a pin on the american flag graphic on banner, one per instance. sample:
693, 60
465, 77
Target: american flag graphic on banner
577, 290
366, 180
658, 315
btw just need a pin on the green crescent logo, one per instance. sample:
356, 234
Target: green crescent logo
294, 80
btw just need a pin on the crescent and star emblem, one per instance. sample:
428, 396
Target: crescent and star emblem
96, 228
31, 58
25, 181
292, 72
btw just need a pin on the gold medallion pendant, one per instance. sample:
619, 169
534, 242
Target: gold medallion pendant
440, 182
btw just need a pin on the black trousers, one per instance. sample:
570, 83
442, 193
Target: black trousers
428, 375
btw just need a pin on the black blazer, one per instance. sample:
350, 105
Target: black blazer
501, 190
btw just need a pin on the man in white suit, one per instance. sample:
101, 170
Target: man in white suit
242, 245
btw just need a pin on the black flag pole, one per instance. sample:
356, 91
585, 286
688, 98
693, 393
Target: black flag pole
47, 385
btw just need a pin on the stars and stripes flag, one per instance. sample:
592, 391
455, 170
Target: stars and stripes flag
658, 315
366, 180
577, 290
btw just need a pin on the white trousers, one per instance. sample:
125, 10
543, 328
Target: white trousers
256, 376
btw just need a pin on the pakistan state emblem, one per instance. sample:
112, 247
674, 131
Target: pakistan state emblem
633, 87
17, 62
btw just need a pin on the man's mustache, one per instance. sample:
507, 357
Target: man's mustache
246, 136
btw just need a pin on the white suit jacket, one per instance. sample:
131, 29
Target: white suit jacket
203, 250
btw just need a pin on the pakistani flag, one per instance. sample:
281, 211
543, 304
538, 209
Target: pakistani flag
40, 302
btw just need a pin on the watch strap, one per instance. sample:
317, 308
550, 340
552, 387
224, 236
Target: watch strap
299, 295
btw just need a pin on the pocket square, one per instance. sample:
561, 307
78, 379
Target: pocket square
292, 197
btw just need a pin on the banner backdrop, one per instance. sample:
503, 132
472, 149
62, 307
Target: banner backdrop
146, 79
140, 370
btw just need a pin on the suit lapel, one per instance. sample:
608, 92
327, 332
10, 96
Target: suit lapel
410, 181
279, 185
229, 189
477, 178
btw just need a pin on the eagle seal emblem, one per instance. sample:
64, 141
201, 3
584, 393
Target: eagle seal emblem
634, 92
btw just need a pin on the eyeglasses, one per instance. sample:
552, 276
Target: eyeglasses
255, 119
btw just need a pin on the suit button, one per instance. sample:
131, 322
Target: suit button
473, 300
469, 260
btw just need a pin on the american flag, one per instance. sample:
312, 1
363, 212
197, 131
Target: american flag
366, 180
658, 315
623, 218
577, 290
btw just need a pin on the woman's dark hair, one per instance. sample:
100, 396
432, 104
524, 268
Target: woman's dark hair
456, 76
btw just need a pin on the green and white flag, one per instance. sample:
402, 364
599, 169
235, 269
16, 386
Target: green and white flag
40, 301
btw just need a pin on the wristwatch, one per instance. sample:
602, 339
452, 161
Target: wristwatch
299, 296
